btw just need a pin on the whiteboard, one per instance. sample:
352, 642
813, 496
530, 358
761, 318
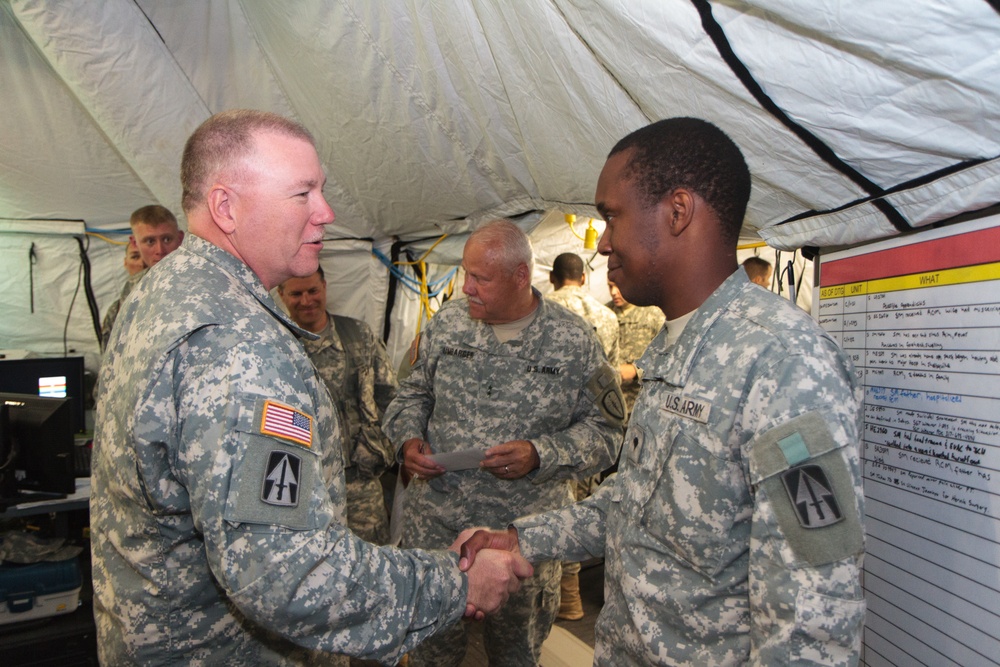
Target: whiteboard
920, 318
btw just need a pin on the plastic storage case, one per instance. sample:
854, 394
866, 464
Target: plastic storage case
38, 590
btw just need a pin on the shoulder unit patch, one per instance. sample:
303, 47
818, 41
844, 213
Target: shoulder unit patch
812, 496
281, 479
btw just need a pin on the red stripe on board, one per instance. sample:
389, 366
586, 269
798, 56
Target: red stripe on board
969, 249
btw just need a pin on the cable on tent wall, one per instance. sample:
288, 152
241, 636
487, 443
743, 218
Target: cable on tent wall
390, 299
32, 258
424, 289
827, 154
88, 288
69, 311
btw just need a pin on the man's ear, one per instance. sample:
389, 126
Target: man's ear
522, 275
678, 207
220, 206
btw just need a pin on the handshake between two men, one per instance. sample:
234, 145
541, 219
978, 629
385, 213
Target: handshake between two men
495, 567
501, 568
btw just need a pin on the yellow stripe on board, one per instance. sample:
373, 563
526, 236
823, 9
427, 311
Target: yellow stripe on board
958, 276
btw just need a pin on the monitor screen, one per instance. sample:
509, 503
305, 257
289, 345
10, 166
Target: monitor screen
36, 445
50, 377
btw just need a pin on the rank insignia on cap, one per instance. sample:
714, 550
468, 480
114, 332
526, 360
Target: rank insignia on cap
286, 423
811, 495
281, 479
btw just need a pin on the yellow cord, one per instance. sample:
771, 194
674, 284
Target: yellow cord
105, 238
424, 256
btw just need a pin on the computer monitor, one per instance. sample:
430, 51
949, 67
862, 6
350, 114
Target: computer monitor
50, 377
36, 447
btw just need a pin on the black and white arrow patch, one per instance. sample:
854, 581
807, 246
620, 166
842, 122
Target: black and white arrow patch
812, 496
281, 479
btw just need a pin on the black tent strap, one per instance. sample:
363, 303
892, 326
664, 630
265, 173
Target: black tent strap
901, 187
88, 289
390, 300
718, 36
32, 258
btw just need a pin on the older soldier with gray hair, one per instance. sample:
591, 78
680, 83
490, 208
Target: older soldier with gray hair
217, 514
526, 385
732, 532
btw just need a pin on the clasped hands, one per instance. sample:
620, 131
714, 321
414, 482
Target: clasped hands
508, 460
495, 567
492, 560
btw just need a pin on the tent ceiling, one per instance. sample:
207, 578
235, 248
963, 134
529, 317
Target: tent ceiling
858, 117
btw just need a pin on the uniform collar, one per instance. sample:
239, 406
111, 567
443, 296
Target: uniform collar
526, 344
329, 337
673, 365
242, 273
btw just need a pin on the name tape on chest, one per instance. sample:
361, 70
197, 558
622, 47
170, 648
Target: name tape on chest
685, 406
461, 353
281, 421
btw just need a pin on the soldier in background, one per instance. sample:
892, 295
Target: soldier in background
637, 326
567, 278
155, 234
759, 270
525, 384
358, 373
134, 267
732, 532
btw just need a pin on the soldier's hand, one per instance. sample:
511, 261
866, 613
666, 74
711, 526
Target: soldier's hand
511, 460
416, 464
472, 540
371, 463
492, 579
628, 373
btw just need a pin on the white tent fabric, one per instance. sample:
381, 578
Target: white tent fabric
859, 118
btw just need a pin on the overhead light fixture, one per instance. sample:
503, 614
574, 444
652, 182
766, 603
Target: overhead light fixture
590, 234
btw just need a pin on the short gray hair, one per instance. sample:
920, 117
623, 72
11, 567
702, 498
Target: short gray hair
508, 241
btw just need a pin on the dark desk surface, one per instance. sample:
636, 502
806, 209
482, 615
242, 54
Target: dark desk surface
76, 501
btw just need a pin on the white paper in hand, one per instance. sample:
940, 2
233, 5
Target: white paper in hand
461, 460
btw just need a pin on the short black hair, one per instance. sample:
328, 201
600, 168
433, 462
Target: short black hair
756, 267
690, 153
567, 266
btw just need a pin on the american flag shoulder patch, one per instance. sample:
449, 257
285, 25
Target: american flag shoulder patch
286, 423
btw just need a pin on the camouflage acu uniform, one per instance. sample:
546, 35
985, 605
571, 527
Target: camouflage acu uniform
217, 514
637, 325
551, 385
357, 371
732, 533
605, 323
112, 313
